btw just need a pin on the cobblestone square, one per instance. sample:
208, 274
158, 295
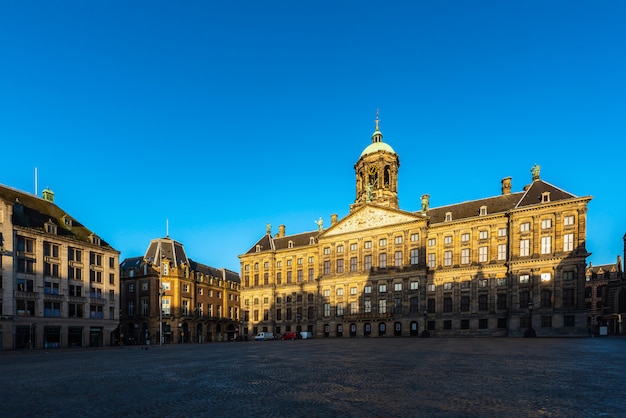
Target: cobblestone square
323, 378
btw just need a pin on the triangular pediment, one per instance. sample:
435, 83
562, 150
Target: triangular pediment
368, 217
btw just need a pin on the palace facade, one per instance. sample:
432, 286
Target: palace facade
59, 281
169, 298
507, 265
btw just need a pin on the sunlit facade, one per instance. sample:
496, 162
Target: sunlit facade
59, 281
495, 266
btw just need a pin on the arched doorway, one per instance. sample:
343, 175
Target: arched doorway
339, 330
199, 333
414, 329
353, 330
367, 329
326, 330
397, 329
382, 329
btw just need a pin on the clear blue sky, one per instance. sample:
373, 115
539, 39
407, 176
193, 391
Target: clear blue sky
221, 117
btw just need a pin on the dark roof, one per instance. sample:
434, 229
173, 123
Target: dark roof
537, 188
131, 263
30, 211
497, 204
267, 242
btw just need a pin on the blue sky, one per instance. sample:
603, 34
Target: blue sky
217, 118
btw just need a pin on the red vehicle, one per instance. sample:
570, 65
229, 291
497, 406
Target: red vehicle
289, 336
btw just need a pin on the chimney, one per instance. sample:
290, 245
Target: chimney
333, 219
281, 231
506, 186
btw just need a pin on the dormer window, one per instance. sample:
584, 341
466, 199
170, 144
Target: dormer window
50, 227
258, 248
67, 221
483, 210
448, 216
545, 197
311, 240
290, 244
94, 239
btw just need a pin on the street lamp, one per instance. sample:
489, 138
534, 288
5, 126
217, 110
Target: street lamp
530, 332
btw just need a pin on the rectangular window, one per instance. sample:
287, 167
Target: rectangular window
483, 283
339, 291
482, 254
414, 256
546, 223
431, 305
568, 275
397, 287
326, 294
353, 308
353, 291
569, 320
447, 304
414, 305
353, 263
397, 258
353, 246
501, 282
430, 287
523, 300
501, 301
432, 261
382, 306
465, 237
483, 323
432, 242
397, 240
545, 277
367, 262
382, 260
568, 220
524, 278
279, 278
311, 274
340, 309
290, 276
464, 323
382, 288
299, 276
382, 242
340, 248
326, 250
447, 258
568, 297
483, 234
501, 252
367, 245
367, 289
502, 232
447, 286
524, 248
465, 256
482, 303
327, 267
447, 239
546, 245
414, 285
340, 265
465, 304
524, 227
415, 237
568, 242
367, 306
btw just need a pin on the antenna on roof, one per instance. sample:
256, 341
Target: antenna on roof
36, 191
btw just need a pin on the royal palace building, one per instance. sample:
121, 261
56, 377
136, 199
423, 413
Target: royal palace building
170, 298
507, 265
59, 281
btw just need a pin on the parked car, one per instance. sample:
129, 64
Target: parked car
306, 335
264, 336
289, 336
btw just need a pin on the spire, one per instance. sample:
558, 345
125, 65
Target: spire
377, 136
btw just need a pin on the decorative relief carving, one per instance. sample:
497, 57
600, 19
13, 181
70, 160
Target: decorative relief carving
369, 218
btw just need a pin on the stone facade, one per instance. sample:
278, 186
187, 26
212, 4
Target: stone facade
59, 281
198, 303
495, 266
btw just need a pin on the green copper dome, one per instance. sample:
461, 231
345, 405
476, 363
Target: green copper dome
377, 146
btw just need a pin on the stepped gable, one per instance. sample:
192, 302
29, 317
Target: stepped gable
36, 212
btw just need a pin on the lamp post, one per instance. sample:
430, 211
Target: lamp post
530, 332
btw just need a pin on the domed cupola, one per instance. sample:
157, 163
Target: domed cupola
377, 173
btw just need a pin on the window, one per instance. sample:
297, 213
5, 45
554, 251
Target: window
50, 250
326, 294
311, 274
326, 250
382, 288
546, 245
340, 291
311, 260
483, 210
465, 284
414, 305
367, 306
367, 245
415, 237
397, 240
568, 220
524, 278
397, 258
367, 262
483, 283
95, 259
465, 256
431, 305
568, 242
447, 286
482, 254
353, 291
382, 306
501, 252
483, 235
568, 297
545, 277
299, 276
447, 304
353, 263
502, 232
568, 275
524, 297
447, 258
524, 227
397, 287
414, 285
501, 301
465, 304
448, 216
414, 256
524, 248
279, 278
289, 263
340, 265
339, 248
327, 267
482, 303
367, 289
353, 308
465, 237
447, 239
501, 282
340, 309
546, 223
25, 245
279, 264
430, 287
432, 261
382, 242
353, 246
432, 242
382, 260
